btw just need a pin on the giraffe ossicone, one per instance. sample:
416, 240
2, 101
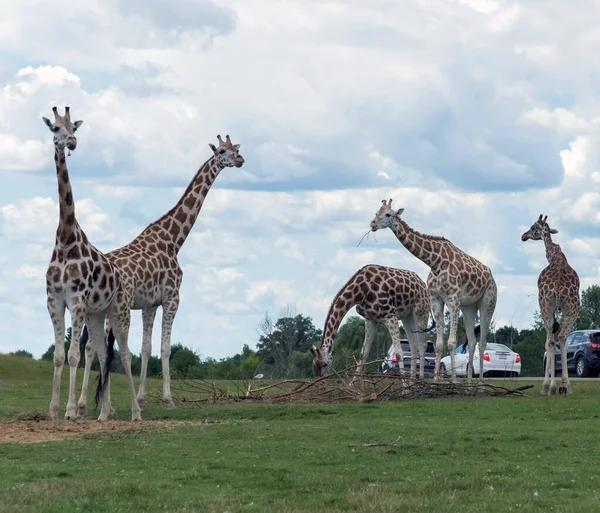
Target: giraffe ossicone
456, 280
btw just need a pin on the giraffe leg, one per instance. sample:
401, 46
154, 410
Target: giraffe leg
391, 323
56, 309
454, 307
547, 312
89, 358
414, 341
487, 307
469, 313
120, 318
437, 310
77, 321
169, 310
97, 340
370, 332
148, 315
569, 319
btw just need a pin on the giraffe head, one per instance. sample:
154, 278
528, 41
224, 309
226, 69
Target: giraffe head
321, 360
63, 129
227, 154
536, 232
385, 216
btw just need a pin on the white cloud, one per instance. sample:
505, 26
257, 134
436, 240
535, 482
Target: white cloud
473, 115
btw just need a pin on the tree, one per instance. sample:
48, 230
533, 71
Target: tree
277, 342
22, 353
589, 315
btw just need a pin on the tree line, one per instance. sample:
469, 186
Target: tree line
282, 348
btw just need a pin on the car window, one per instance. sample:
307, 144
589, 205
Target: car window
493, 346
461, 349
405, 347
578, 337
570, 338
430, 348
595, 337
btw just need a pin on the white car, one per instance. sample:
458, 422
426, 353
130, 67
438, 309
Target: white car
497, 359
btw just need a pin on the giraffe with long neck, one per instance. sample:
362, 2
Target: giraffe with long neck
558, 292
456, 280
380, 294
80, 278
150, 260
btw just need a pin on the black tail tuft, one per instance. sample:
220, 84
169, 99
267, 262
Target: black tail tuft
477, 330
555, 327
102, 379
426, 330
84, 337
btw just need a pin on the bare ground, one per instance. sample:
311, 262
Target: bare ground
37, 431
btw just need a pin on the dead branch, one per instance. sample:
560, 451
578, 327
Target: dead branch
348, 385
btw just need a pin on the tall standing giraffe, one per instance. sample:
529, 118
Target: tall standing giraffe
80, 278
150, 260
558, 291
456, 280
380, 294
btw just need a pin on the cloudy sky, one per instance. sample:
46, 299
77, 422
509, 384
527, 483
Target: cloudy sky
474, 115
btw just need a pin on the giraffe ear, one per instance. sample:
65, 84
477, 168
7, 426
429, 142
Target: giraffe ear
552, 230
399, 212
236, 147
213, 148
49, 123
77, 124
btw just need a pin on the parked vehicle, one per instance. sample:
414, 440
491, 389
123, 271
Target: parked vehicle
391, 362
583, 354
498, 359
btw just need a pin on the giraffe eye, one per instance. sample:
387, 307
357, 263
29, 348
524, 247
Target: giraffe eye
221, 151
388, 215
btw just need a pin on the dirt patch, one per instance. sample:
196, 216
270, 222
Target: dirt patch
37, 431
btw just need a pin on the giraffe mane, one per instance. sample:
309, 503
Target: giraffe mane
425, 236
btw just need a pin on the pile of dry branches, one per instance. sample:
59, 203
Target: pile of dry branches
344, 386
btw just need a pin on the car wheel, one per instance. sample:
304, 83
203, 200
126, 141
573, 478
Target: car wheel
581, 370
467, 372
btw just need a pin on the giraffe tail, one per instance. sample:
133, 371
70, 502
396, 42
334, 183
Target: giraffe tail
477, 331
426, 330
84, 337
102, 379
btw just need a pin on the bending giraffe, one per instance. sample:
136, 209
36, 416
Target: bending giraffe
380, 294
558, 291
80, 278
150, 261
456, 280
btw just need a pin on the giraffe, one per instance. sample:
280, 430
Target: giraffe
381, 294
456, 280
150, 260
558, 291
81, 279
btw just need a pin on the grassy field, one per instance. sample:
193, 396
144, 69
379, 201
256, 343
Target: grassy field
524, 454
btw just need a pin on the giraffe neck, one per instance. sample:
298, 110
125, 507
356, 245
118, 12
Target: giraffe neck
66, 221
349, 296
427, 248
553, 251
176, 224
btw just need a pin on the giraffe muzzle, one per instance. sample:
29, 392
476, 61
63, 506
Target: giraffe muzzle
239, 161
71, 143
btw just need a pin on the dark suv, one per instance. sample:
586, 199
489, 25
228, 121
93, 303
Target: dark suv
583, 354
391, 362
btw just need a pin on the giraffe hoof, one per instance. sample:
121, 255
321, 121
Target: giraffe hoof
552, 390
169, 404
142, 402
82, 410
563, 390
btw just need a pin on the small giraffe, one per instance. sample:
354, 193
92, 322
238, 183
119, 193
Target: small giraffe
381, 294
150, 261
81, 279
558, 291
456, 280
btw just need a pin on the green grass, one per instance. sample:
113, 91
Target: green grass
455, 455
